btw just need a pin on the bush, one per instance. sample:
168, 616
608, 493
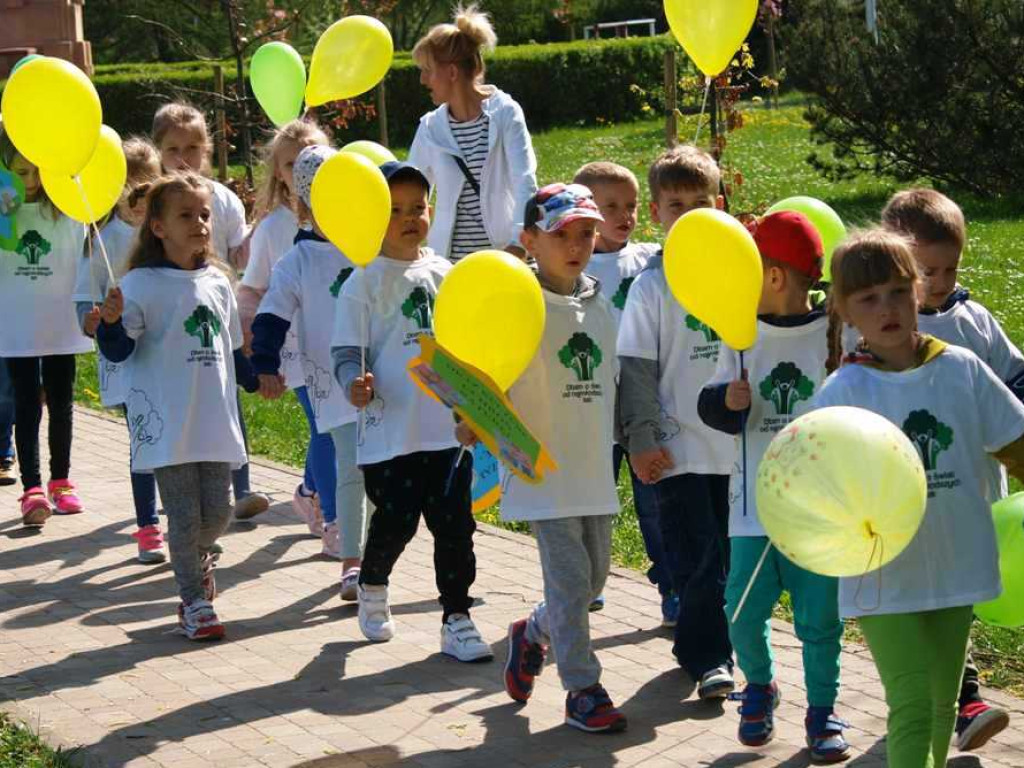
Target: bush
559, 84
940, 94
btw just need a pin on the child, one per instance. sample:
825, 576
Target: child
37, 280
181, 135
667, 355
475, 147
304, 288
615, 264
918, 628
406, 447
119, 235
175, 320
272, 237
571, 409
779, 376
935, 226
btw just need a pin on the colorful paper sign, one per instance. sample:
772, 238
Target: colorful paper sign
12, 195
488, 411
486, 479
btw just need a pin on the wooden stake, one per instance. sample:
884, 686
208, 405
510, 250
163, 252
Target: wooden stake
671, 99
222, 124
382, 113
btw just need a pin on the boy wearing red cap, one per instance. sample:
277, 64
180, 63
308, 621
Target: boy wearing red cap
780, 375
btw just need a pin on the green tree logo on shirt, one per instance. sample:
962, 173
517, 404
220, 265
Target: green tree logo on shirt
619, 299
929, 435
696, 325
786, 386
344, 275
33, 247
581, 355
419, 307
204, 324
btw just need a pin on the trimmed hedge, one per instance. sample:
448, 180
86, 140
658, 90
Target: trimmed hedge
576, 83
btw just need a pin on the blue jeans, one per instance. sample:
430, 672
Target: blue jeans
647, 516
694, 514
143, 494
6, 413
322, 458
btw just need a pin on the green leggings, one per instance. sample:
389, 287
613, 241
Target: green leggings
920, 658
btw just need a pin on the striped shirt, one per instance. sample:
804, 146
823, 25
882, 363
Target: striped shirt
469, 234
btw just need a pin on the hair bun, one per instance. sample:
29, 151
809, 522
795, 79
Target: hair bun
476, 25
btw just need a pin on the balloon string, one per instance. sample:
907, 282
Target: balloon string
743, 443
364, 342
878, 547
750, 583
92, 219
703, 107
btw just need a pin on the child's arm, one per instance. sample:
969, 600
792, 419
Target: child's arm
721, 406
639, 416
111, 335
269, 329
348, 372
88, 317
248, 305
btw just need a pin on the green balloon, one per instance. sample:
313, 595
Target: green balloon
24, 60
1007, 610
830, 227
278, 77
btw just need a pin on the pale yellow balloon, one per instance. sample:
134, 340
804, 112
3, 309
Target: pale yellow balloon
490, 314
352, 205
102, 181
711, 31
714, 270
841, 491
52, 114
371, 150
350, 58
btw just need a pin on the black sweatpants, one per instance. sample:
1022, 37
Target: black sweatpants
402, 489
31, 377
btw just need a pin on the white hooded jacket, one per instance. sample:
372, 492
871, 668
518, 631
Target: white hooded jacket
509, 177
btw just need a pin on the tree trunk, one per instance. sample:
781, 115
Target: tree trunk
241, 98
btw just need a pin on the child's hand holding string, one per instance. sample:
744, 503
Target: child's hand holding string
737, 394
362, 391
466, 437
113, 307
92, 322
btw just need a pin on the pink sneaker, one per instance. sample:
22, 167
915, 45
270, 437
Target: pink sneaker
151, 544
35, 509
332, 541
308, 509
65, 500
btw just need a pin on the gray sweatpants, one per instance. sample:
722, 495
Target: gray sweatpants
575, 555
197, 500
353, 507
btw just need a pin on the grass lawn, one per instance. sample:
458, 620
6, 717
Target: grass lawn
20, 748
769, 152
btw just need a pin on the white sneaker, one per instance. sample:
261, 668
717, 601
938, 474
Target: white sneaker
716, 683
332, 541
461, 640
350, 585
375, 613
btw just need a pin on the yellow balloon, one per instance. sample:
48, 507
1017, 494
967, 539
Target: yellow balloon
841, 491
52, 113
711, 32
714, 270
371, 150
490, 314
350, 58
352, 205
102, 181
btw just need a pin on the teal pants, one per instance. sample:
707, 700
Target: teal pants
920, 658
815, 617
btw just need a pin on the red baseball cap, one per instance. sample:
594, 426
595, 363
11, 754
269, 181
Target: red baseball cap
789, 238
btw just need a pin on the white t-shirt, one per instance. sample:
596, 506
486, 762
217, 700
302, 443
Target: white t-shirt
567, 398
385, 307
304, 289
37, 283
655, 327
956, 412
229, 229
785, 369
616, 271
180, 379
92, 284
272, 239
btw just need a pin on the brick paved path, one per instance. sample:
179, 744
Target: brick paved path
86, 656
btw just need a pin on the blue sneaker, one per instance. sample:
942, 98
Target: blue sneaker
525, 661
669, 609
591, 710
825, 736
597, 604
757, 713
